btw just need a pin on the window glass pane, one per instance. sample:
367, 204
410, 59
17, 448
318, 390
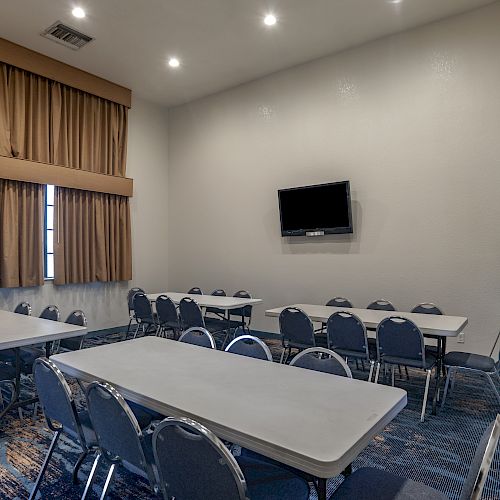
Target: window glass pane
50, 194
50, 241
50, 217
50, 266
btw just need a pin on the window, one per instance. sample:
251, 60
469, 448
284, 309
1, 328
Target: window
49, 232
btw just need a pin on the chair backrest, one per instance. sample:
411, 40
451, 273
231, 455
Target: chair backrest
401, 338
427, 308
216, 293
381, 305
339, 302
190, 314
77, 318
119, 435
56, 398
194, 464
198, 336
346, 332
250, 346
142, 308
23, 308
195, 290
296, 328
322, 360
245, 311
51, 313
166, 310
130, 297
481, 463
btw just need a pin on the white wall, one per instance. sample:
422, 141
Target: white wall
411, 120
105, 303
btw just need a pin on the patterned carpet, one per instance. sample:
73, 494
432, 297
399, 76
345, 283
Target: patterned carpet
436, 452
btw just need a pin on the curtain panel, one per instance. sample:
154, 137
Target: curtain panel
46, 121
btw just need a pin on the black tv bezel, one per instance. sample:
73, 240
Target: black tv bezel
325, 230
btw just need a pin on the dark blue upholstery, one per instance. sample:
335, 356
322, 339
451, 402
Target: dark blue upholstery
375, 484
143, 310
130, 297
51, 313
73, 344
296, 329
339, 302
243, 312
322, 360
195, 291
190, 314
427, 308
381, 305
193, 464
346, 335
167, 313
246, 345
7, 372
215, 310
198, 336
471, 361
23, 308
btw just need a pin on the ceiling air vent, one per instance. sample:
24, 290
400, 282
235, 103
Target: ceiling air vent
67, 36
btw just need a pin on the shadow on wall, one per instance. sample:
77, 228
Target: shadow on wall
330, 243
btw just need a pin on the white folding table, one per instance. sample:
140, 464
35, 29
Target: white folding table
18, 330
313, 421
436, 326
225, 303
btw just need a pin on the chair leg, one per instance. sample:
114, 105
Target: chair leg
393, 370
407, 374
76, 468
377, 373
44, 466
492, 384
90, 480
446, 385
426, 392
282, 355
128, 329
137, 330
108, 482
372, 364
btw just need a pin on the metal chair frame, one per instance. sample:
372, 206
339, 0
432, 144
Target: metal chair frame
76, 312
163, 329
427, 305
58, 429
26, 305
381, 302
204, 331
323, 351
286, 343
258, 341
341, 302
208, 435
130, 305
141, 324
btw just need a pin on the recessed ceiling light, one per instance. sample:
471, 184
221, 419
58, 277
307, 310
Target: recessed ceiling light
395, 2
173, 62
78, 12
270, 20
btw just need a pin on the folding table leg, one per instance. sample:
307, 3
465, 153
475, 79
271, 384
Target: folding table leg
321, 488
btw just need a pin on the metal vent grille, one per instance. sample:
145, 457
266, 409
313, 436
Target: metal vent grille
67, 36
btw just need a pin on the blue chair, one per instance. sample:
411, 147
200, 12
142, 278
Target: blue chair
296, 330
381, 305
322, 360
120, 439
51, 313
198, 336
253, 347
130, 304
195, 291
427, 308
400, 342
194, 464
61, 415
346, 335
9, 355
339, 302
76, 343
144, 315
23, 308
168, 319
220, 313
375, 484
244, 313
484, 366
191, 317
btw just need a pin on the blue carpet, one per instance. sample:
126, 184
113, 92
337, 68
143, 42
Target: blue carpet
437, 452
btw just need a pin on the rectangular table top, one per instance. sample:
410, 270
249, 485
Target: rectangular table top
208, 300
314, 421
429, 324
18, 330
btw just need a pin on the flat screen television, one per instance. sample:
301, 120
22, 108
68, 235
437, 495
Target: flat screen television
316, 210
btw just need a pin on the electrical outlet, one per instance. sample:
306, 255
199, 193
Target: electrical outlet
461, 338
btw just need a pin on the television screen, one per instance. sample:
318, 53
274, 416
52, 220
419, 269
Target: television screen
321, 209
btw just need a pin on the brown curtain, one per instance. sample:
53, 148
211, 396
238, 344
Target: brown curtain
21, 234
42, 120
93, 241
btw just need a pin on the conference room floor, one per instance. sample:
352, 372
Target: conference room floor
436, 452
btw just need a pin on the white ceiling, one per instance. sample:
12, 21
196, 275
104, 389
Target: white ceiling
221, 43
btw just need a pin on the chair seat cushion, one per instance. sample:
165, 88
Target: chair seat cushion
375, 484
430, 361
72, 344
469, 360
215, 325
267, 481
7, 372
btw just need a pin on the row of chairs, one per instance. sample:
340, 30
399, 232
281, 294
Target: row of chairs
386, 305
180, 458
